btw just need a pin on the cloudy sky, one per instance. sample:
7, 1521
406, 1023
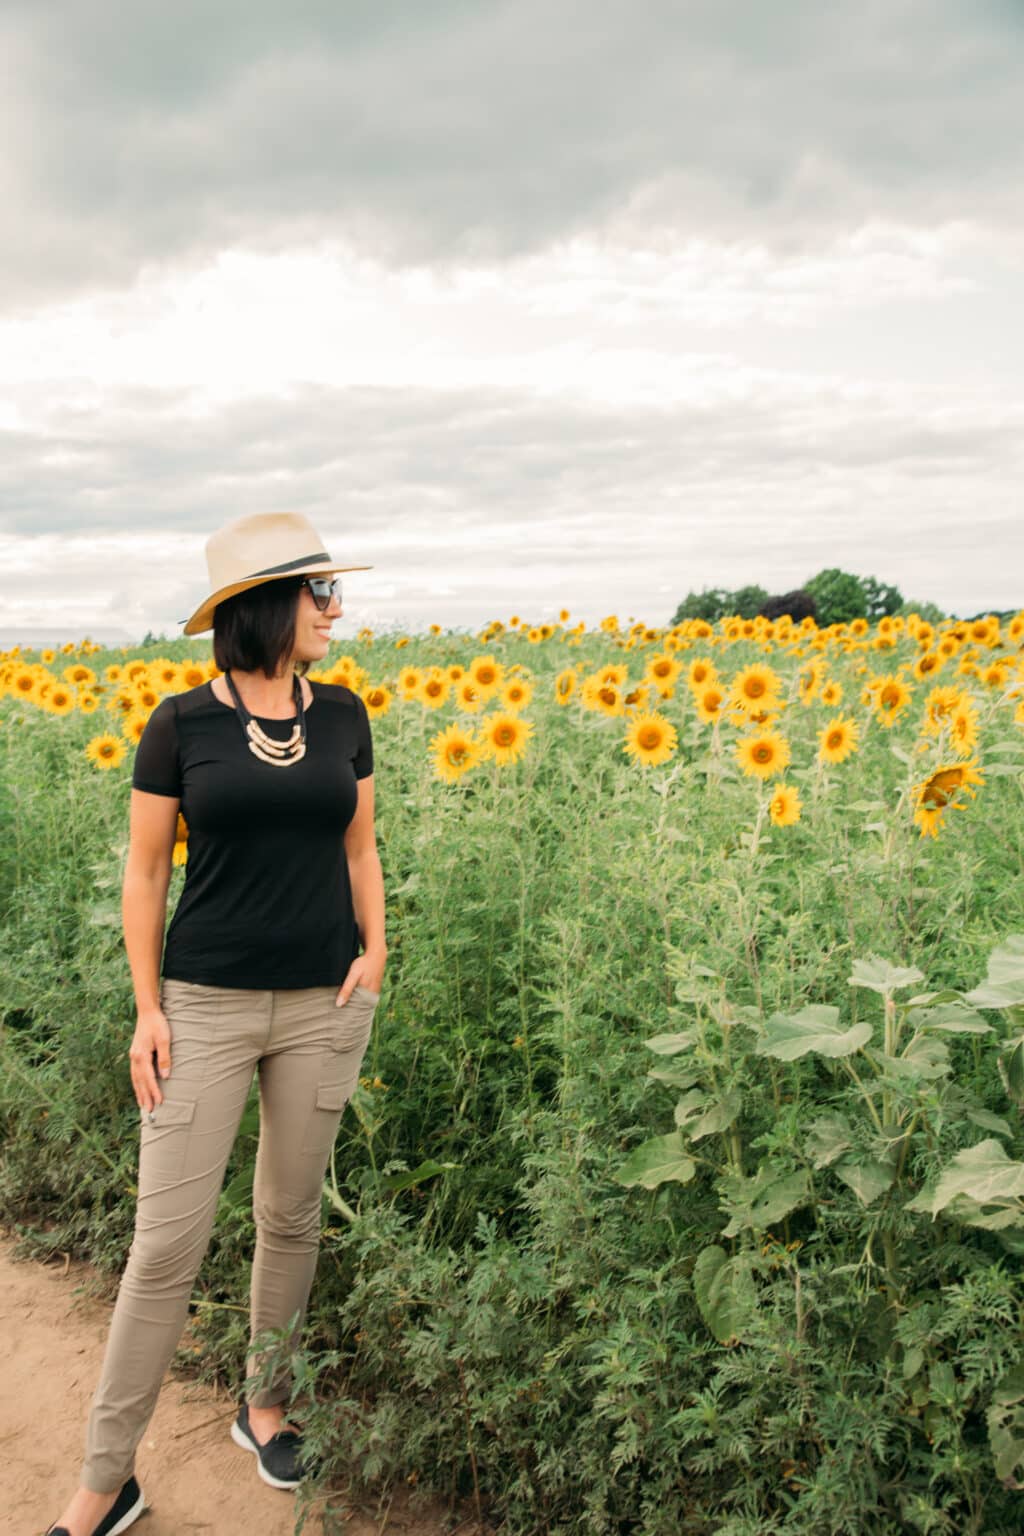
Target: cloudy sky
526, 305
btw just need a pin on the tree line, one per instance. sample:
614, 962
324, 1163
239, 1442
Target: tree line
831, 597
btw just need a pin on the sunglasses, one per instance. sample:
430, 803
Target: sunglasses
323, 590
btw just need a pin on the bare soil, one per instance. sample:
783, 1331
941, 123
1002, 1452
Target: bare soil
54, 1327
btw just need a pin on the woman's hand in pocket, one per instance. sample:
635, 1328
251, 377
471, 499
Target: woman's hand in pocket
150, 1050
367, 971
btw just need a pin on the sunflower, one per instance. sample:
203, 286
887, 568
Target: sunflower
105, 751
468, 697
935, 794
377, 700
486, 673
113, 673
710, 702
809, 680
48, 657
838, 739
135, 669
166, 674
891, 697
700, 671
504, 736
650, 738
832, 694
455, 751
434, 689
79, 674
939, 706
928, 664
784, 806
193, 675
516, 694
565, 687
763, 755
25, 684
144, 697
179, 853
409, 680
755, 689
88, 703
60, 699
963, 729
133, 725
455, 671
602, 696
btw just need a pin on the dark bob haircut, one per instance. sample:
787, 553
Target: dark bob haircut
254, 631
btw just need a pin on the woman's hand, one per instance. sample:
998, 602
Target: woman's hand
366, 970
152, 1038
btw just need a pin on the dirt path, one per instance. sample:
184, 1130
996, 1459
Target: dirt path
194, 1477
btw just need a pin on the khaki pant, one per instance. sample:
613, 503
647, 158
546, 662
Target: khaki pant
309, 1053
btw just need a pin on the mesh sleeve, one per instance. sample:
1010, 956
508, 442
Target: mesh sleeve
157, 760
363, 760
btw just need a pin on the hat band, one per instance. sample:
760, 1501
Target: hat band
293, 565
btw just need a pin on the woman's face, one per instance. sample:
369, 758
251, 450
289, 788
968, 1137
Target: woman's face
313, 628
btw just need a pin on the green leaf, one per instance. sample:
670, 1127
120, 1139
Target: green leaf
670, 1045
725, 1292
924, 1057
1003, 986
827, 1138
760, 1202
868, 1180
953, 1020
1005, 1418
978, 1177
912, 1362
882, 976
673, 1077
656, 1161
697, 1117
990, 1122
426, 1170
815, 1028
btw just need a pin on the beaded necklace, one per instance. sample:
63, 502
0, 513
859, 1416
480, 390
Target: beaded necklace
280, 754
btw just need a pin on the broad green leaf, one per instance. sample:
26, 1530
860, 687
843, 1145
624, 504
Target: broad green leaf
984, 1176
868, 1180
815, 1028
925, 1057
990, 1122
690, 1107
929, 999
716, 1117
673, 1077
760, 1202
670, 1045
656, 1161
1005, 1419
955, 1019
1003, 986
827, 1138
880, 975
427, 1170
725, 1292
912, 1361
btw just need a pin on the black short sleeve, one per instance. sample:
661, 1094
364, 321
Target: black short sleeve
158, 760
363, 760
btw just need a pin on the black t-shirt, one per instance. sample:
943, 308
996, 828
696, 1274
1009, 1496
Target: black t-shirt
267, 900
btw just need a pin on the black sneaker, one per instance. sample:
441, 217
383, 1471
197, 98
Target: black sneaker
124, 1512
280, 1461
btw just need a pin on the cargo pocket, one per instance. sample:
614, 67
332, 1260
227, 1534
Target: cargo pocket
322, 1128
164, 1140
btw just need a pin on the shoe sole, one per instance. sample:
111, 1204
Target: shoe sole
240, 1438
132, 1515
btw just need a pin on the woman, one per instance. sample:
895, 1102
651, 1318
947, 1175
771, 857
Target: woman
261, 971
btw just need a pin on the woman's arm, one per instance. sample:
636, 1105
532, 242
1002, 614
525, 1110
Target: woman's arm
367, 881
147, 876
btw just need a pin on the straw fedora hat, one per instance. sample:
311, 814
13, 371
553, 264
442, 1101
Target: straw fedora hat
260, 548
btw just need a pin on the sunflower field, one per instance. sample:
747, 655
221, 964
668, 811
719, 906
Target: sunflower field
683, 1191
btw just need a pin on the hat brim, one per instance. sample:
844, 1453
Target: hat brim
202, 619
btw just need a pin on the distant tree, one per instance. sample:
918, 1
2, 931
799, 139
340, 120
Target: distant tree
927, 611
838, 596
799, 605
747, 601
708, 604
879, 600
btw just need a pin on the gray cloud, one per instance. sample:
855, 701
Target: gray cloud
145, 134
505, 498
